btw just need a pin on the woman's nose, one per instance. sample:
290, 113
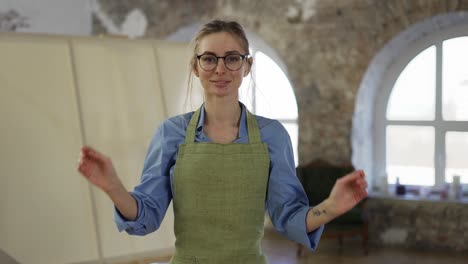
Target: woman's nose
220, 67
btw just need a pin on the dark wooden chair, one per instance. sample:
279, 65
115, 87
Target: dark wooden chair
318, 178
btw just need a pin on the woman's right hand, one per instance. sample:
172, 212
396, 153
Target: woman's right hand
98, 169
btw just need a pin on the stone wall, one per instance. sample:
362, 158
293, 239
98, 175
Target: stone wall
418, 224
326, 46
63, 17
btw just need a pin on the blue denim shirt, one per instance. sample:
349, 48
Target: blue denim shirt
286, 202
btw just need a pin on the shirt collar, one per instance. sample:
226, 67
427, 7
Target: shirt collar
242, 126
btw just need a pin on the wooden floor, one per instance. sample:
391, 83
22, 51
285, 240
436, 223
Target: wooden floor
282, 251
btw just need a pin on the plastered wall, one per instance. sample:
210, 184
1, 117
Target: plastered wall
58, 93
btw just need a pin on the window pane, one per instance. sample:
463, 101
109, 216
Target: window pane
413, 95
455, 79
274, 95
246, 95
293, 131
246, 92
410, 154
456, 156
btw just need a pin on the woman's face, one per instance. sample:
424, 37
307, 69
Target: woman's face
221, 82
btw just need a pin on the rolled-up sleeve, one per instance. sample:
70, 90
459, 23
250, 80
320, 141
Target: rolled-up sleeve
287, 202
136, 227
154, 193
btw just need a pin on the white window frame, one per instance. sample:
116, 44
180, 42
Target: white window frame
362, 135
441, 127
259, 46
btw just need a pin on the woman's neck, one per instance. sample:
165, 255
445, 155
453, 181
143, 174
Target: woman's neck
222, 113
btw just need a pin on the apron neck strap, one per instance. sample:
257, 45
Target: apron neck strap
252, 128
190, 134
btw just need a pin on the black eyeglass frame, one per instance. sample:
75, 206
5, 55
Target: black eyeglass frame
243, 57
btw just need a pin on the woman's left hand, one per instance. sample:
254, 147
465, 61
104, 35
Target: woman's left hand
348, 191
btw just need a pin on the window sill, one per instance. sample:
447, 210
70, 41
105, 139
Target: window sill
412, 197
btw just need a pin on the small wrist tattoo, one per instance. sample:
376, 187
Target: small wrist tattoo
317, 212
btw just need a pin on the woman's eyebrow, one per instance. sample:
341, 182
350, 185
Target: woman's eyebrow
232, 52
209, 53
226, 53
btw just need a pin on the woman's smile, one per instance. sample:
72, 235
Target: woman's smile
220, 83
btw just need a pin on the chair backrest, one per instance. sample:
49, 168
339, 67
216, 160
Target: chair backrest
318, 178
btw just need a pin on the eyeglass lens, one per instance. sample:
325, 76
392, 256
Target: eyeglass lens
232, 62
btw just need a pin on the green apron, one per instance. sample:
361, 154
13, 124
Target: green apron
219, 199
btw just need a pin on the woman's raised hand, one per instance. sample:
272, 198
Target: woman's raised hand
98, 169
348, 191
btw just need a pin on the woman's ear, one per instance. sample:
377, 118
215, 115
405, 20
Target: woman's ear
249, 66
195, 68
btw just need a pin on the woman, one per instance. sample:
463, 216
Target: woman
222, 166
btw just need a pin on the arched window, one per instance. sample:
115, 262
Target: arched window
423, 129
271, 95
411, 110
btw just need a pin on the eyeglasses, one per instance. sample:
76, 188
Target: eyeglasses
233, 62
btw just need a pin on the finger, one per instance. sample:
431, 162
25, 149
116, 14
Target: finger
84, 169
362, 183
359, 184
85, 163
87, 150
361, 174
362, 195
94, 154
81, 164
83, 154
353, 176
361, 179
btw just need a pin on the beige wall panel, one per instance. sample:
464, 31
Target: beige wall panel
174, 66
122, 106
45, 210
